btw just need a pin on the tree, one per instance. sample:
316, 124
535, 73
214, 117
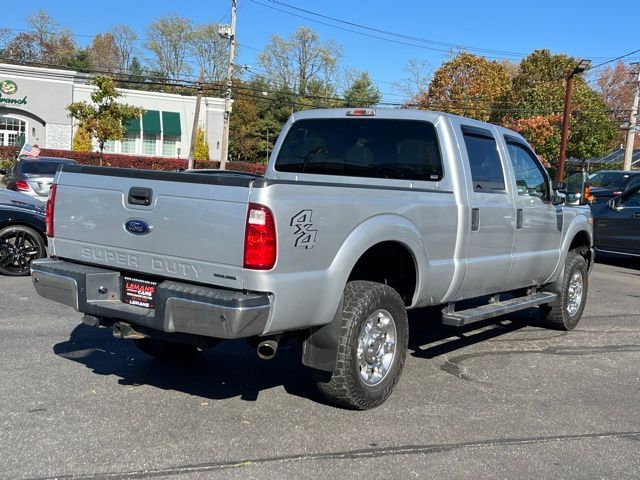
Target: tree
541, 131
124, 38
53, 44
467, 85
538, 91
615, 86
210, 50
168, 39
103, 54
22, 48
415, 86
103, 118
296, 63
81, 141
362, 92
201, 150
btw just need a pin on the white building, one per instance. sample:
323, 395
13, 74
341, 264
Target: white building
33, 103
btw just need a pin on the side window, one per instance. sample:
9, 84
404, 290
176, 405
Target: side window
486, 169
635, 182
530, 178
632, 201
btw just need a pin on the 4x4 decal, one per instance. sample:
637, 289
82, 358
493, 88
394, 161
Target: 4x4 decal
305, 233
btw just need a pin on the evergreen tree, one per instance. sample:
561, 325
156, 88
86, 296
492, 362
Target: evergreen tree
362, 92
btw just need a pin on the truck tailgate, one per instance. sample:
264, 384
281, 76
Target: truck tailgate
192, 229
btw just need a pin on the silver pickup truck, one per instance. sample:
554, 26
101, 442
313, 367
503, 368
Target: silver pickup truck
361, 215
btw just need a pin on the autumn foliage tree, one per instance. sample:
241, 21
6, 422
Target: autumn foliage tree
615, 85
536, 102
468, 85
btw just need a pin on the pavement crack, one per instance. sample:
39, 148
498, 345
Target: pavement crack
376, 452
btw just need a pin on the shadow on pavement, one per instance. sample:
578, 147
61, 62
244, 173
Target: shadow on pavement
228, 370
428, 338
232, 368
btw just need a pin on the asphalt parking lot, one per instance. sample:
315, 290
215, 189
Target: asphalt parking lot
507, 399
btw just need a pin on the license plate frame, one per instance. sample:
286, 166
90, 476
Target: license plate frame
140, 292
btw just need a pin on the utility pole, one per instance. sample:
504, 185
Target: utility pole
581, 67
633, 122
227, 96
196, 119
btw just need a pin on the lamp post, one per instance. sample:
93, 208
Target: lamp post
579, 68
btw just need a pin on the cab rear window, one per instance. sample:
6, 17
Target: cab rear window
362, 147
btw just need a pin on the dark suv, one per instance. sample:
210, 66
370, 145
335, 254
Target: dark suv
34, 176
607, 184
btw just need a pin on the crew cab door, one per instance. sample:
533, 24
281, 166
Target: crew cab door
619, 229
538, 233
492, 215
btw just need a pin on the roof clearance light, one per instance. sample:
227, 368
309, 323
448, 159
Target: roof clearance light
361, 112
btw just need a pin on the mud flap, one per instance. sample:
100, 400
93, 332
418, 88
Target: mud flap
320, 349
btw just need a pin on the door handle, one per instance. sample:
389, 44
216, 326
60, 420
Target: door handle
519, 218
475, 219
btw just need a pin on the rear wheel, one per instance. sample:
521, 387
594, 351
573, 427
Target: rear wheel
572, 291
372, 347
168, 351
19, 246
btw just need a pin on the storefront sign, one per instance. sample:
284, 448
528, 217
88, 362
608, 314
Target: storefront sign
10, 88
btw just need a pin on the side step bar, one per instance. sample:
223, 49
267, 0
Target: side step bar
471, 315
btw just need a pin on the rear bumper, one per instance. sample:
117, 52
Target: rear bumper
179, 307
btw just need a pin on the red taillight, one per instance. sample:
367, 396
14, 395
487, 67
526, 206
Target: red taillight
51, 203
22, 186
260, 238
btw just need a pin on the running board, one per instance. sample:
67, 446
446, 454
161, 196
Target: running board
471, 315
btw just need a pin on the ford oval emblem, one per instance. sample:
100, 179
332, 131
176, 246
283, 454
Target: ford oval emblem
137, 226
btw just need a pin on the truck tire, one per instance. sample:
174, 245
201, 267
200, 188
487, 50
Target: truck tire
374, 333
572, 291
167, 351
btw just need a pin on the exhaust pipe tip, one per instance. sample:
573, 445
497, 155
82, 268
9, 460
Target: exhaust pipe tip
267, 349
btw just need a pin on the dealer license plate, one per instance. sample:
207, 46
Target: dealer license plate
139, 292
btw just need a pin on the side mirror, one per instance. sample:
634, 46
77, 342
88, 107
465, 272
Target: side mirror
559, 186
558, 198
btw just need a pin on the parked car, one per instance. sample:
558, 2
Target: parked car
22, 232
34, 176
617, 224
606, 184
361, 215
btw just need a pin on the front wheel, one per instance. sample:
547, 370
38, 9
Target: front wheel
373, 343
572, 291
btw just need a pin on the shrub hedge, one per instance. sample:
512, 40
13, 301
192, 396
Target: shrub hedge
133, 161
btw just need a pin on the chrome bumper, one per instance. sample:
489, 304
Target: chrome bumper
179, 307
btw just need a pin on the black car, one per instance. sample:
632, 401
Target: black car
34, 176
22, 232
616, 224
607, 184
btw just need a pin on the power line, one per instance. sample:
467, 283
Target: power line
396, 34
472, 105
613, 60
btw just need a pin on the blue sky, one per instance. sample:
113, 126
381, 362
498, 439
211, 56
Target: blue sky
586, 29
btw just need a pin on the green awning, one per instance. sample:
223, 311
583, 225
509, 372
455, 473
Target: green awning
171, 123
133, 125
151, 121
